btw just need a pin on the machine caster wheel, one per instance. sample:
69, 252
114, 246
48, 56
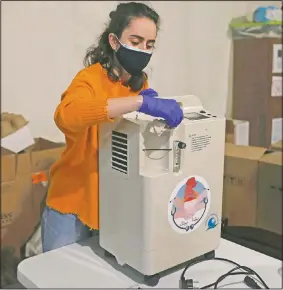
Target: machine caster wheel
152, 280
108, 255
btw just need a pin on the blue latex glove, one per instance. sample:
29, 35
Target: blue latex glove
167, 109
149, 92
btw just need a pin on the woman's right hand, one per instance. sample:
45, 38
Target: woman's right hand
167, 109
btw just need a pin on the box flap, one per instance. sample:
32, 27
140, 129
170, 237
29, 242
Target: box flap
43, 144
18, 140
272, 158
247, 152
5, 152
37, 157
44, 153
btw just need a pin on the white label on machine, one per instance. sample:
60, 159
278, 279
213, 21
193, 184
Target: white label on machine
189, 204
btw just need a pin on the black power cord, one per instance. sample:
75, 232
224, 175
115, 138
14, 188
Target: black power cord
249, 281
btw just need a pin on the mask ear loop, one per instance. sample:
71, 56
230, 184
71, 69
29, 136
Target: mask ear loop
124, 45
129, 47
113, 34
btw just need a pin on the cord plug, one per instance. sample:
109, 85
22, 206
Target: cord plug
188, 284
251, 283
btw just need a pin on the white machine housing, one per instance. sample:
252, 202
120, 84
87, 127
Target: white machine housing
137, 175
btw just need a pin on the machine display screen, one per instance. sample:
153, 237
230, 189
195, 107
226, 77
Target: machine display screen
195, 116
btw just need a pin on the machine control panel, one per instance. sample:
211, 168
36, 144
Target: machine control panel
201, 115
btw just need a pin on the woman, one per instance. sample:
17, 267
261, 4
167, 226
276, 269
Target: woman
112, 84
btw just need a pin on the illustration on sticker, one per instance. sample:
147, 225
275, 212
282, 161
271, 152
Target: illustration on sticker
189, 204
211, 222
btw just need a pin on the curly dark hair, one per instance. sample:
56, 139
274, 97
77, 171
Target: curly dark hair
103, 53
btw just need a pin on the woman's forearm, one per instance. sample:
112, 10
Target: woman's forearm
120, 106
74, 114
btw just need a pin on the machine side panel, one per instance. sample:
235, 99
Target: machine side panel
120, 199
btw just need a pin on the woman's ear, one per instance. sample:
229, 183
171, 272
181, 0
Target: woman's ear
114, 43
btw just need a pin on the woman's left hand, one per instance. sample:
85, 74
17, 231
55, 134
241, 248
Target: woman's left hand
149, 93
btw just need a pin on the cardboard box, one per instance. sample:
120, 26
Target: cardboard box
269, 209
253, 83
10, 123
277, 146
18, 217
237, 132
240, 184
15, 132
24, 182
8, 165
38, 157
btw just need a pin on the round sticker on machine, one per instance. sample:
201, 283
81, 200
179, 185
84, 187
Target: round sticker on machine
189, 204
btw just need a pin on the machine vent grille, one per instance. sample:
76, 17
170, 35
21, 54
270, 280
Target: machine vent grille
200, 142
120, 152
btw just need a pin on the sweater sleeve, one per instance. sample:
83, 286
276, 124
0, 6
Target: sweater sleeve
81, 107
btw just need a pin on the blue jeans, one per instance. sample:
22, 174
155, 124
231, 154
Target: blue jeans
59, 230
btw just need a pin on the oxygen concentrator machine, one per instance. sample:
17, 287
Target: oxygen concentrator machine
160, 189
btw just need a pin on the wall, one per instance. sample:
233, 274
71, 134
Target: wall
43, 45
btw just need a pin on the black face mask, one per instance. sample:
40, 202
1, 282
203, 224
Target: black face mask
132, 60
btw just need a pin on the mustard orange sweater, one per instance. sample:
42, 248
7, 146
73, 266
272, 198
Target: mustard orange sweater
74, 177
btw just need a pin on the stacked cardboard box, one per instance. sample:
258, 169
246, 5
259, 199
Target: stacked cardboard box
252, 194
257, 88
253, 173
240, 184
269, 192
24, 182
